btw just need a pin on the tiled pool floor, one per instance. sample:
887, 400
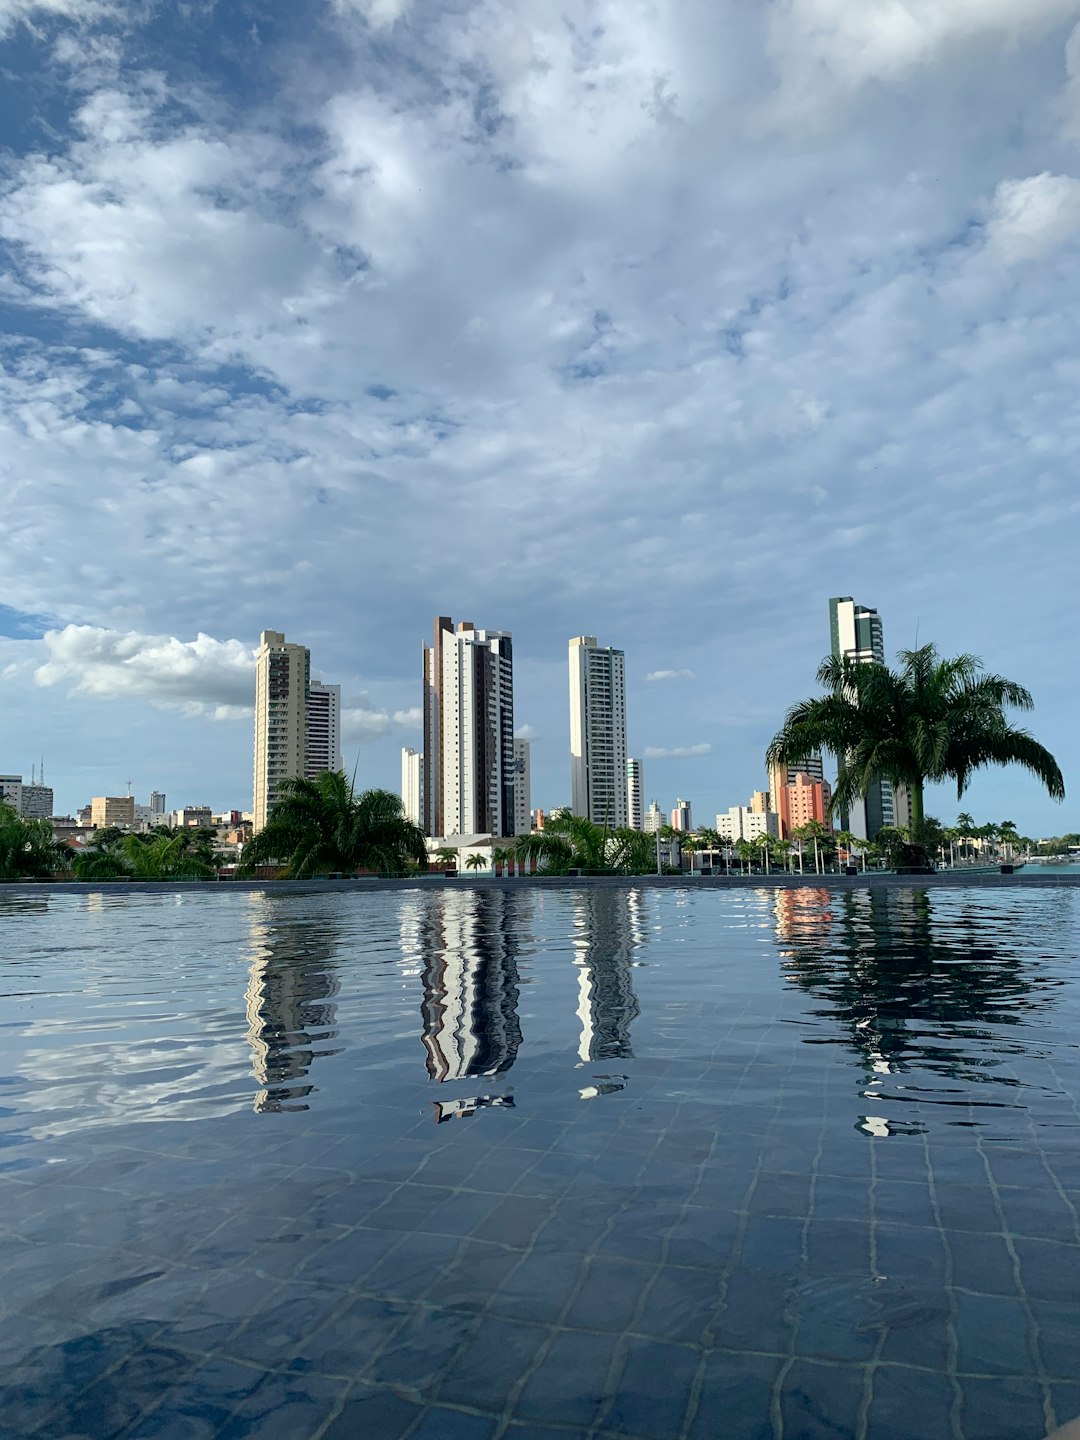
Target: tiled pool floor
760, 1167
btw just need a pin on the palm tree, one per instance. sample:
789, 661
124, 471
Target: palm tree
931, 720
745, 851
1008, 836
965, 829
689, 845
28, 850
813, 830
847, 842
323, 825
474, 860
446, 855
570, 842
500, 856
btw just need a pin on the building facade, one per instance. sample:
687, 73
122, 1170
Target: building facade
803, 801
157, 802
108, 810
37, 802
743, 823
635, 813
598, 771
11, 788
856, 631
322, 729
412, 785
468, 761
282, 678
522, 787
653, 819
682, 816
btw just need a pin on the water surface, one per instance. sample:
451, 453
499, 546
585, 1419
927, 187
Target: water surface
474, 1163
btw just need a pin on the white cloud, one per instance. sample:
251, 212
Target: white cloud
525, 732
203, 676
411, 719
78, 11
670, 675
380, 14
1031, 218
678, 752
825, 50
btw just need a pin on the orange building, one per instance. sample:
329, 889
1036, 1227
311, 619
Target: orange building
801, 800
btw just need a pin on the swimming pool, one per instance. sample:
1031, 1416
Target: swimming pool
460, 1164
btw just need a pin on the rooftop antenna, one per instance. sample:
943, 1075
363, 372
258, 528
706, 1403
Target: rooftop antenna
129, 787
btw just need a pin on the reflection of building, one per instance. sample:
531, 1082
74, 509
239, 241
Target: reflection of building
598, 771
468, 946
609, 928
290, 1006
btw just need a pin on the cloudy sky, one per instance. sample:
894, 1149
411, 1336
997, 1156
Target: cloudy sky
657, 321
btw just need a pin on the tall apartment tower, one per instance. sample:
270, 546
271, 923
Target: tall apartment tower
598, 774
522, 787
322, 729
282, 678
468, 764
855, 630
635, 805
412, 785
157, 802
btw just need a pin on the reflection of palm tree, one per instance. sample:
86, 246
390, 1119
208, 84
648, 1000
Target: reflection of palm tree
608, 931
909, 984
468, 942
290, 1002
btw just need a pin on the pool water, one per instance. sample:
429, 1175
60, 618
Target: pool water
465, 1164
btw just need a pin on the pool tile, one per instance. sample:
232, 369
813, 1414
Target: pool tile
821, 1402
652, 1390
909, 1403
420, 1348
982, 1263
571, 1382
1002, 1409
735, 1397
993, 1334
538, 1288
494, 1356
608, 1294
1050, 1271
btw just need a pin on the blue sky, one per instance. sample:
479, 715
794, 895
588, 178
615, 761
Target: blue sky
659, 323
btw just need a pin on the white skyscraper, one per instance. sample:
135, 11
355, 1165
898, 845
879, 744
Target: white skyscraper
653, 818
634, 803
468, 764
855, 631
412, 785
522, 787
598, 775
322, 727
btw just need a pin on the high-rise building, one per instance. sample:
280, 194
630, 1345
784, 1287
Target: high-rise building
743, 823
412, 784
37, 802
322, 729
107, 810
598, 775
282, 677
11, 788
157, 802
855, 631
468, 763
804, 800
681, 817
522, 787
653, 818
635, 814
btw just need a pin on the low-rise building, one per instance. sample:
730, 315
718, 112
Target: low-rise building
108, 810
742, 822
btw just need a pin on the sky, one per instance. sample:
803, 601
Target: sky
656, 322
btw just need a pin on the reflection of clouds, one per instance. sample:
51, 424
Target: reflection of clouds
289, 1003
469, 945
609, 928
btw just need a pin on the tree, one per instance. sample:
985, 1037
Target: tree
570, 842
474, 861
847, 842
323, 825
28, 850
746, 852
930, 720
446, 855
690, 845
502, 856
816, 832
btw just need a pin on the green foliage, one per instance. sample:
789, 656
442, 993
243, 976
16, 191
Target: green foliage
474, 861
570, 842
161, 854
27, 848
932, 719
323, 825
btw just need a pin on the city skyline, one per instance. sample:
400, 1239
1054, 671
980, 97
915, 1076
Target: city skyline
371, 315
